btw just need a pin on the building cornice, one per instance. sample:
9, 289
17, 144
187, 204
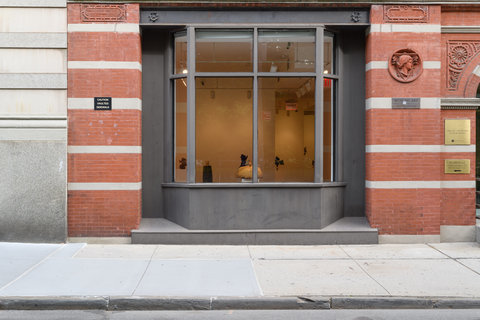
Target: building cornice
285, 2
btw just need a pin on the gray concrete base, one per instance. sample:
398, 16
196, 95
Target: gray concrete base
408, 238
33, 188
100, 240
477, 231
457, 233
240, 303
349, 230
248, 206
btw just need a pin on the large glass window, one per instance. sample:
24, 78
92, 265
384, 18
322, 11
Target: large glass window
223, 130
286, 50
219, 50
259, 106
286, 129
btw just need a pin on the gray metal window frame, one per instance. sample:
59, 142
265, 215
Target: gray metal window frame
318, 75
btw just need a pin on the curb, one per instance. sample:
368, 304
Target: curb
125, 303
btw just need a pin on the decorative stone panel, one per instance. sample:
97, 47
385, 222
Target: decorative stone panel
103, 13
459, 54
405, 14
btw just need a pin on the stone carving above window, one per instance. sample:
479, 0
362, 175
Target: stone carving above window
405, 14
459, 54
405, 65
104, 13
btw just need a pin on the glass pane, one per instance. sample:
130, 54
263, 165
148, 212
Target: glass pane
286, 129
180, 52
286, 50
223, 128
223, 50
328, 103
180, 174
328, 61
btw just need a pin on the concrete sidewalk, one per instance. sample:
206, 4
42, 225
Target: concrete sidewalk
443, 275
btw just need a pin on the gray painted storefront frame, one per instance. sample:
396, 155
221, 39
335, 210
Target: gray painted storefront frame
165, 17
191, 191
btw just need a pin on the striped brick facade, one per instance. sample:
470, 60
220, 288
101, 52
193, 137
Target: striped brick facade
104, 147
407, 191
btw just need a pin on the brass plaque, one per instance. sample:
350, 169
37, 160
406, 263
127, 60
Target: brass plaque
457, 166
457, 131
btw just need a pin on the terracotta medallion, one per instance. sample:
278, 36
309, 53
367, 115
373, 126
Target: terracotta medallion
405, 65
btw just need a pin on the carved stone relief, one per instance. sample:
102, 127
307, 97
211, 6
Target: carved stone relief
459, 54
405, 14
405, 65
104, 13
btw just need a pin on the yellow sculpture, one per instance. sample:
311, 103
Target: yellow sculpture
245, 172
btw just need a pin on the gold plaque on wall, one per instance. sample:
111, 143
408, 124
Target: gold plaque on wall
457, 166
457, 131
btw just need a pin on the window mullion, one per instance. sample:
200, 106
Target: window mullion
191, 105
319, 105
255, 107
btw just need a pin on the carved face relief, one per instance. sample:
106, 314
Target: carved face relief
405, 65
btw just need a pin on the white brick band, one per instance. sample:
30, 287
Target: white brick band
77, 186
432, 64
476, 71
420, 184
104, 149
386, 103
33, 3
383, 65
104, 27
376, 65
104, 65
418, 148
397, 27
117, 104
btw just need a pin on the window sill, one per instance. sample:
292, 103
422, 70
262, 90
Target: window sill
255, 185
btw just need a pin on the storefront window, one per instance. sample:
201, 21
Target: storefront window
180, 94
286, 50
328, 54
256, 112
223, 50
223, 131
180, 53
328, 143
286, 129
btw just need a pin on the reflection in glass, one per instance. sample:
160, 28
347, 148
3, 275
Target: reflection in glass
223, 128
180, 112
286, 50
286, 129
328, 67
328, 103
223, 50
180, 52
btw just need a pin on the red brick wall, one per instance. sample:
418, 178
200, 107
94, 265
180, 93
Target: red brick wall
411, 210
104, 212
